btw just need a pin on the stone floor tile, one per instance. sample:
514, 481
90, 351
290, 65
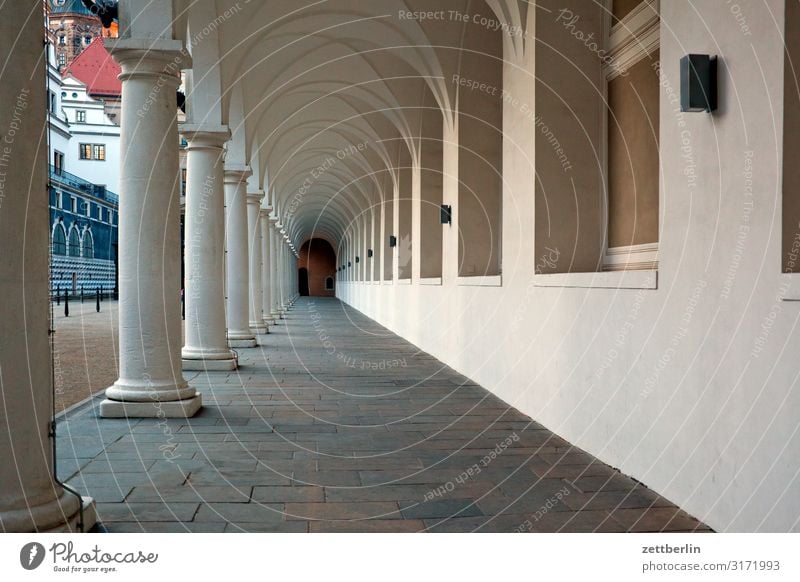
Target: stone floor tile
439, 508
265, 513
342, 511
108, 512
298, 494
368, 526
298, 431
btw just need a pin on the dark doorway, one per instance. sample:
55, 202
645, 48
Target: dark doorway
303, 282
318, 264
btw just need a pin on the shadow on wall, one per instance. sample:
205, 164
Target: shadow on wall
317, 268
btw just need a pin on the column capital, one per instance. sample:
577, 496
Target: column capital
147, 57
201, 136
255, 198
237, 173
273, 220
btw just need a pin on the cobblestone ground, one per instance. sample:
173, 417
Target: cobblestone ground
84, 350
335, 424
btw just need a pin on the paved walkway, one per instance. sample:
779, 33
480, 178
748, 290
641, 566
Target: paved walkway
84, 350
336, 424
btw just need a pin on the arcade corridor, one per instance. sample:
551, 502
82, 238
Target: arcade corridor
336, 424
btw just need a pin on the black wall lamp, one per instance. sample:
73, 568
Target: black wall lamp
446, 214
369, 253
698, 83
349, 264
392, 240
358, 259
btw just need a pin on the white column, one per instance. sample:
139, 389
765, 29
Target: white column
283, 270
254, 200
237, 268
206, 344
30, 499
266, 296
275, 271
150, 383
293, 267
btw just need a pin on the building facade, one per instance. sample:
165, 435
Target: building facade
84, 220
84, 163
72, 28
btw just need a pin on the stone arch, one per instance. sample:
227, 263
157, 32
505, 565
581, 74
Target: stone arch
58, 236
74, 242
87, 244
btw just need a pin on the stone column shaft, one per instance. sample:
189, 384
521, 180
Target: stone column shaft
30, 499
274, 270
150, 383
256, 289
206, 344
266, 297
240, 333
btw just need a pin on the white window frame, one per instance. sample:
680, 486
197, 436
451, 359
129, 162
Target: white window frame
631, 39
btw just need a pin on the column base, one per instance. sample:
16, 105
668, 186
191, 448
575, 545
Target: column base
74, 523
60, 515
208, 359
172, 409
209, 365
259, 327
268, 321
242, 343
89, 518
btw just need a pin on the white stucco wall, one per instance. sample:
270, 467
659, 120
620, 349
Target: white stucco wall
691, 387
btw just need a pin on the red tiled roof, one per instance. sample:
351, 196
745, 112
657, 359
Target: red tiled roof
95, 68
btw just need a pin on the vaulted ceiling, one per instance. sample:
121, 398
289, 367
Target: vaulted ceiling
324, 98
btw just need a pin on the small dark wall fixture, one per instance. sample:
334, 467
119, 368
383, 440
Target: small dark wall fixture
446, 214
392, 241
698, 83
369, 253
358, 259
349, 264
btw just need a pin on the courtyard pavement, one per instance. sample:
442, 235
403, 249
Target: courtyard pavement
334, 424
